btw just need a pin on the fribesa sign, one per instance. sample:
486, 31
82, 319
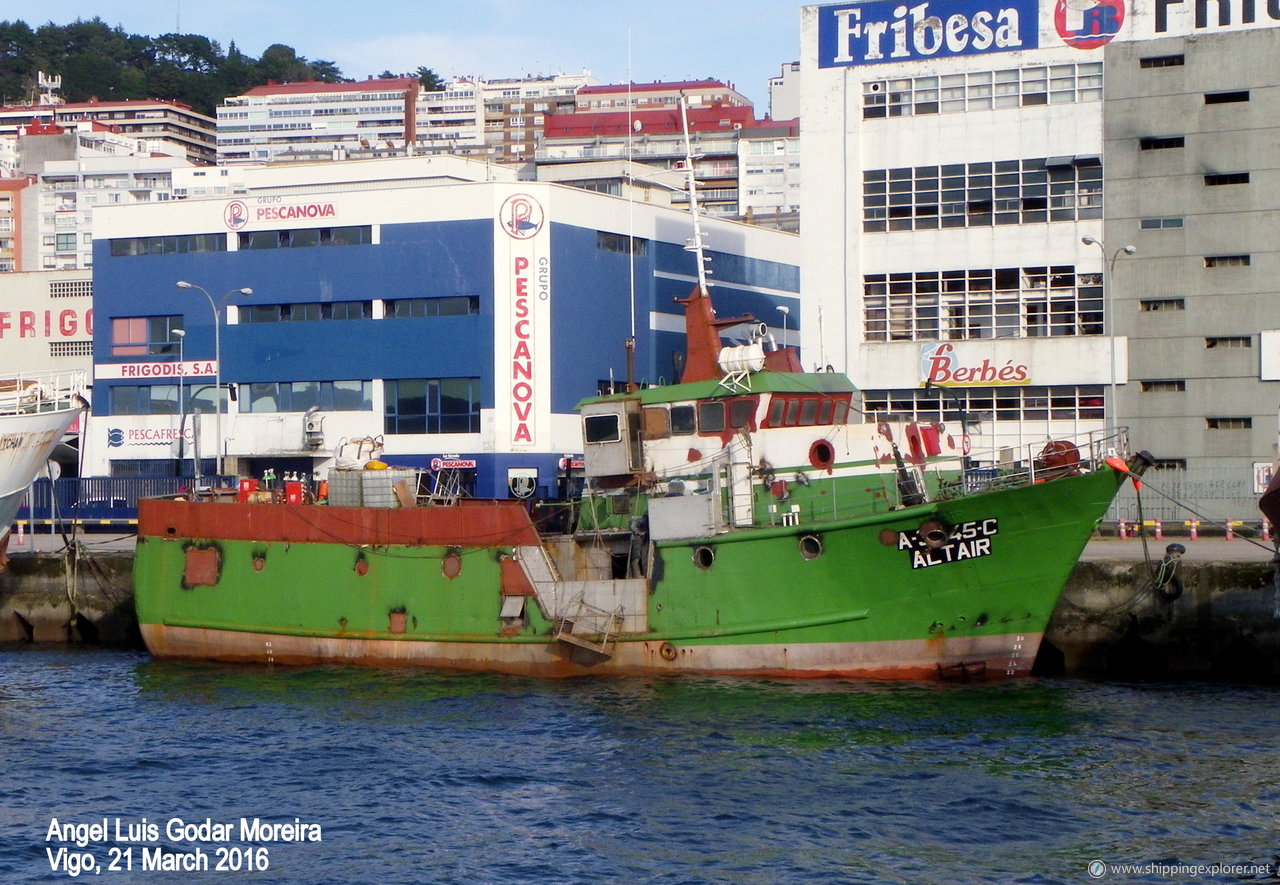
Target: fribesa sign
884, 31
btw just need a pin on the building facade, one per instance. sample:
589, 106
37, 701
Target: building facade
514, 111
324, 121
979, 277
59, 176
394, 303
1191, 124
643, 123
163, 127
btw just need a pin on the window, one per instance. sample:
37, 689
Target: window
1009, 302
1218, 179
303, 237
144, 399
1160, 223
1065, 403
1170, 464
1226, 261
1163, 385
1226, 97
71, 289
1161, 142
711, 416
621, 243
432, 405
448, 306
982, 90
298, 396
175, 245
66, 242
309, 311
654, 423
1228, 423
1161, 61
683, 422
742, 413
145, 336
1155, 304
1229, 341
982, 194
791, 411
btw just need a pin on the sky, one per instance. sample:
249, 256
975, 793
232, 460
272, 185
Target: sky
744, 42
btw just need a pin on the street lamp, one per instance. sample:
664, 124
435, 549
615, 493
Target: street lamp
217, 307
182, 406
1108, 321
784, 310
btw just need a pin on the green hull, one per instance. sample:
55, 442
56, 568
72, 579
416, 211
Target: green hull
858, 597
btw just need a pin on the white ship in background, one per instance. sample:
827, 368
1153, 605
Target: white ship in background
36, 409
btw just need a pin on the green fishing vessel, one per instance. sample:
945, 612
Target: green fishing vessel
749, 520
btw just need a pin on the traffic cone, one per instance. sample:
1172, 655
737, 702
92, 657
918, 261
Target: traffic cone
1193, 529
1231, 532
1159, 529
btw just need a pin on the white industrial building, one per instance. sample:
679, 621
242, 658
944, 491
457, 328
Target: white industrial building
956, 233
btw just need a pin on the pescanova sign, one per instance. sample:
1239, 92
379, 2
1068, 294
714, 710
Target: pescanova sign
880, 32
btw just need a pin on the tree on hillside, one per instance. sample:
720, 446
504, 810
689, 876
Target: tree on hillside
96, 60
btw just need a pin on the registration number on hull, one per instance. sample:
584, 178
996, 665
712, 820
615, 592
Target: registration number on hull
966, 540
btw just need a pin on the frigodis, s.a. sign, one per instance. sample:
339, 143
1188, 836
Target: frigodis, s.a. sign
881, 32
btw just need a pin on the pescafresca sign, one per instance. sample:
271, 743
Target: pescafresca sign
880, 32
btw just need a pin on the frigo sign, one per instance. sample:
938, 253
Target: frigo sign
881, 32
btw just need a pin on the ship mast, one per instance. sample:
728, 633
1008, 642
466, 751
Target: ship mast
701, 327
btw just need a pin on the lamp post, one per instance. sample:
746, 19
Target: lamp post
182, 406
1108, 321
217, 307
784, 310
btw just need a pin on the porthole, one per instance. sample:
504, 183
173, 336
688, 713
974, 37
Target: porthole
810, 546
822, 454
704, 557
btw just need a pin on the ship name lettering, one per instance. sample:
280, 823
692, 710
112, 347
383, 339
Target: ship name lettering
966, 540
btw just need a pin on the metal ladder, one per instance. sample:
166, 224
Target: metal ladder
447, 488
599, 628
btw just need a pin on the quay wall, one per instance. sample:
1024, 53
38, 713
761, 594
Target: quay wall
1217, 620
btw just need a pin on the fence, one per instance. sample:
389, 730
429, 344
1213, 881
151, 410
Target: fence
98, 501
1216, 494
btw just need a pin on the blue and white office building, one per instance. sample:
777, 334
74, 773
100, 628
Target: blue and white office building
437, 310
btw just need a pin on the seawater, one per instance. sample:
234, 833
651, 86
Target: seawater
421, 777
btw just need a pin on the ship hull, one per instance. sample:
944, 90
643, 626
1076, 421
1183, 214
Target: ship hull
444, 588
31, 426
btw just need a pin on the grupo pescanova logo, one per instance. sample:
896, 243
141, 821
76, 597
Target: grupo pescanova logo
876, 33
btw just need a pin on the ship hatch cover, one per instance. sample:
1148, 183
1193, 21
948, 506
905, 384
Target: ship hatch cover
512, 606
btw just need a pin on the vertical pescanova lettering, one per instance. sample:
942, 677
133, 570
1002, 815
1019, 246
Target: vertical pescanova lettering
522, 356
